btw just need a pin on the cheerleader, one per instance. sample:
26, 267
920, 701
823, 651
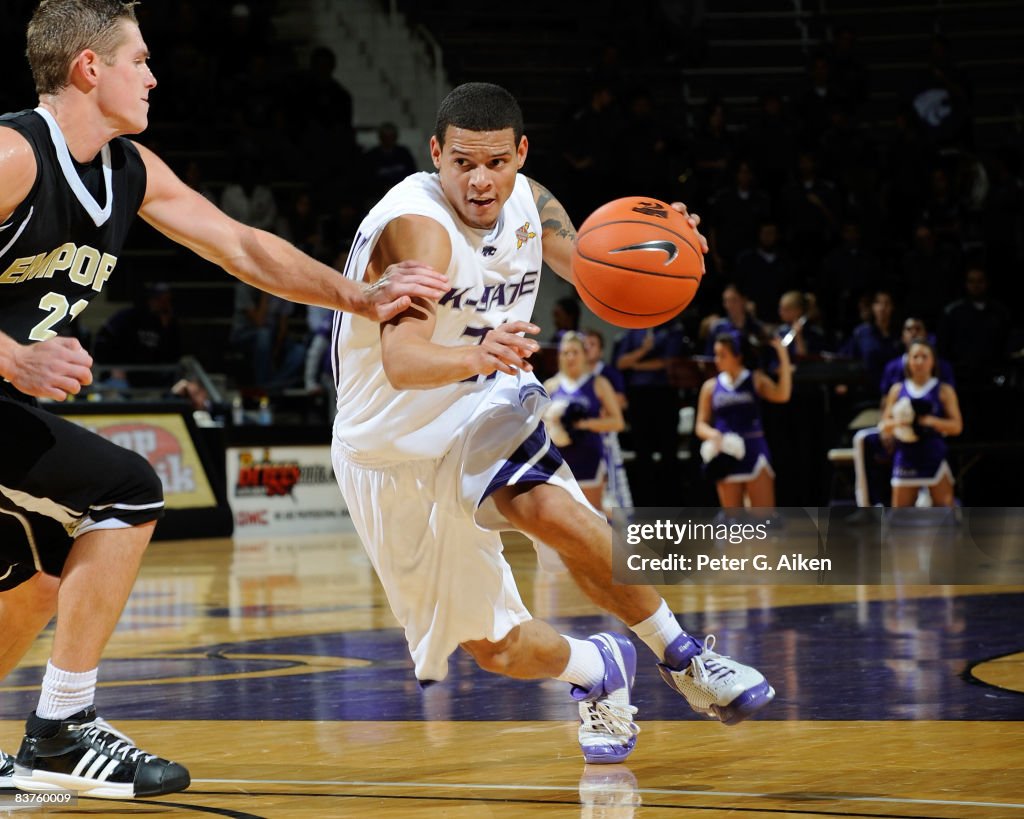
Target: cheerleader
729, 422
920, 413
583, 407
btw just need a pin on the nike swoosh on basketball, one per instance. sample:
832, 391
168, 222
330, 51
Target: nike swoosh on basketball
655, 244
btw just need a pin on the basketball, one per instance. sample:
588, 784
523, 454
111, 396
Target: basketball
637, 262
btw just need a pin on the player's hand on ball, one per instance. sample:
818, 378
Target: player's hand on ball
401, 283
504, 349
694, 220
55, 368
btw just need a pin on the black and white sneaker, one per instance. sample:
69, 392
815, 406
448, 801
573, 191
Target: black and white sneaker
84, 753
6, 771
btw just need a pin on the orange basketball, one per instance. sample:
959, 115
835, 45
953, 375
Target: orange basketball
637, 262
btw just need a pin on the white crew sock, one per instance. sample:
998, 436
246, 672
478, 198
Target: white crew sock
65, 692
659, 630
586, 665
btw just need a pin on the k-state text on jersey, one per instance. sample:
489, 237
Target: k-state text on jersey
490, 296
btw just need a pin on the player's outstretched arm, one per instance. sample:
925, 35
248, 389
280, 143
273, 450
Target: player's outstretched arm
270, 263
410, 357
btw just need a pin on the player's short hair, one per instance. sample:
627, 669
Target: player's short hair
60, 30
478, 106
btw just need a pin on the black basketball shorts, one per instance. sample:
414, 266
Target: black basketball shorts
59, 481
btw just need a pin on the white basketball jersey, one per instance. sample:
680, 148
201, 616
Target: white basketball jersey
494, 277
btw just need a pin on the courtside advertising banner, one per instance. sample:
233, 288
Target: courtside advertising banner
284, 490
163, 440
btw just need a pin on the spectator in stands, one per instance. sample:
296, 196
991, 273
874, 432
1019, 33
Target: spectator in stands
914, 329
617, 491
248, 198
243, 35
847, 272
942, 210
974, 330
647, 154
301, 225
566, 317
765, 272
387, 163
810, 211
874, 343
643, 357
771, 145
714, 148
145, 333
195, 177
799, 323
1004, 216
817, 96
849, 157
738, 319
588, 135
593, 347
322, 113
849, 74
260, 330
942, 99
734, 451
736, 215
920, 412
929, 276
905, 168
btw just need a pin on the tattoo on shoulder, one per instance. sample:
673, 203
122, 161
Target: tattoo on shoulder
554, 218
541, 195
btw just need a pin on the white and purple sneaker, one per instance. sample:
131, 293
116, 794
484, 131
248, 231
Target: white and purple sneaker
6, 771
712, 683
607, 731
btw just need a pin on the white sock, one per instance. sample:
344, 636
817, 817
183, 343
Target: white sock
658, 630
65, 692
586, 665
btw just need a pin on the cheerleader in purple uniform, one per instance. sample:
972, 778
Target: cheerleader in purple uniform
920, 412
728, 412
583, 406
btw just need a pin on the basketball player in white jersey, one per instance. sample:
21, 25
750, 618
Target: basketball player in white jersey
438, 442
76, 510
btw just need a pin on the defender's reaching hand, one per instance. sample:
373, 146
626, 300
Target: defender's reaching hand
401, 283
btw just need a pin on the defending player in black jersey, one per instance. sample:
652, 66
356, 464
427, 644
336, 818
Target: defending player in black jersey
72, 505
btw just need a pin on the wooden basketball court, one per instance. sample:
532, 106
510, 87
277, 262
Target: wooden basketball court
274, 671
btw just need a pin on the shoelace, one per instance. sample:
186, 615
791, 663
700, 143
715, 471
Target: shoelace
604, 718
706, 665
116, 744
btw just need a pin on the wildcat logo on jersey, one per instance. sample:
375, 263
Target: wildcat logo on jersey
523, 235
84, 265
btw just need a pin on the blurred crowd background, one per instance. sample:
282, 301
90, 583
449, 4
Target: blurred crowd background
857, 166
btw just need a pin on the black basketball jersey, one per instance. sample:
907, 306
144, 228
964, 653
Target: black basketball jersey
60, 246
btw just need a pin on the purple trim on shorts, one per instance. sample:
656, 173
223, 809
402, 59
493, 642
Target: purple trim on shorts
539, 472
